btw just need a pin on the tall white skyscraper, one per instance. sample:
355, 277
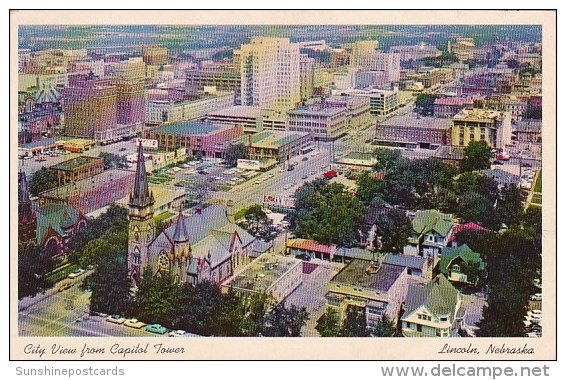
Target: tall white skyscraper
270, 73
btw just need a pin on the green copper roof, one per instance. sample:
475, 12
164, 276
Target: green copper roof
464, 252
57, 216
438, 296
432, 220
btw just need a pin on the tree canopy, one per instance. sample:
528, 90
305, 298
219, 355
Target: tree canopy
477, 156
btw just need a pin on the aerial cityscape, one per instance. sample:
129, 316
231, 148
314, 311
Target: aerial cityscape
280, 181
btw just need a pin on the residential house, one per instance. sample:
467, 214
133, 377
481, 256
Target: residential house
454, 261
431, 229
376, 288
432, 309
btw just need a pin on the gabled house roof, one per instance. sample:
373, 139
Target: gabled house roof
438, 296
464, 252
462, 227
432, 220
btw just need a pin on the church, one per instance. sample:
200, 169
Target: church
49, 226
205, 245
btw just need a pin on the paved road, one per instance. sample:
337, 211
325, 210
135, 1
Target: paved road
311, 294
57, 313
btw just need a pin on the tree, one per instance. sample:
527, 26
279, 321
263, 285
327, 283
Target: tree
354, 324
112, 160
386, 158
43, 180
328, 324
513, 261
474, 207
197, 307
425, 103
157, 298
477, 156
110, 285
285, 322
369, 188
328, 213
509, 207
394, 227
235, 152
256, 222
384, 327
34, 264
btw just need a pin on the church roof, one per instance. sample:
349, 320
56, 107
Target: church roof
48, 95
212, 218
57, 216
180, 234
140, 195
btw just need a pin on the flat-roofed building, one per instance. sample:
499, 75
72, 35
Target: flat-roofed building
450, 106
162, 111
270, 73
382, 102
328, 119
269, 274
529, 130
278, 145
473, 124
197, 137
412, 130
252, 119
220, 77
377, 289
78, 168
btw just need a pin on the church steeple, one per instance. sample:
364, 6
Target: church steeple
180, 235
25, 213
140, 195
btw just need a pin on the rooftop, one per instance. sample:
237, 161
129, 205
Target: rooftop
478, 114
74, 163
275, 139
358, 273
415, 120
311, 245
432, 220
188, 128
263, 272
238, 111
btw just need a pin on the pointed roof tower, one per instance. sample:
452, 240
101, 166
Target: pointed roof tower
140, 195
181, 234
25, 213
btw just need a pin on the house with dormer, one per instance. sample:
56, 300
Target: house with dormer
431, 230
432, 309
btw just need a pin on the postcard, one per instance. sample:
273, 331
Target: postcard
307, 185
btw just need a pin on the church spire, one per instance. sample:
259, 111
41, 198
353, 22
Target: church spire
180, 235
25, 214
140, 195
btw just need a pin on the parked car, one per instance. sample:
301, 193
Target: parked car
64, 286
116, 319
134, 323
305, 158
304, 176
76, 273
304, 257
177, 333
156, 329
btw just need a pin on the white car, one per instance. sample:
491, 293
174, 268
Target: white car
177, 333
76, 273
116, 319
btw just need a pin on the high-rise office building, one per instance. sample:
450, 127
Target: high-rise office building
270, 73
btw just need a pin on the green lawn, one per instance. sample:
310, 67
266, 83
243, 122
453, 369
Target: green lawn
60, 274
164, 215
538, 183
537, 198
